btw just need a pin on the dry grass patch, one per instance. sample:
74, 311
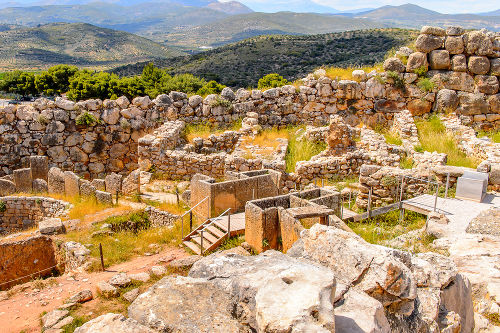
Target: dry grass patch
339, 73
433, 137
267, 141
204, 130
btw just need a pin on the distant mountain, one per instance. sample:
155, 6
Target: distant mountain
297, 6
493, 13
74, 43
231, 7
413, 16
242, 64
239, 27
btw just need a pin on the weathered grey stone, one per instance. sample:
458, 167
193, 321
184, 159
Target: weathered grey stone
476, 42
446, 100
417, 60
104, 197
184, 263
439, 59
394, 64
142, 277
131, 295
81, 297
381, 276
120, 280
51, 226
142, 102
459, 63
486, 223
65, 104
87, 189
71, 184
436, 225
53, 317
163, 101
23, 181
99, 184
487, 84
122, 102
40, 186
113, 323
158, 270
228, 94
429, 30
39, 166
427, 43
7, 187
113, 183
455, 31
495, 66
56, 180
131, 184
454, 44
479, 65
472, 104
106, 290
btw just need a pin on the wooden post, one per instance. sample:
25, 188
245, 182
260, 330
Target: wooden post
208, 210
102, 257
177, 195
350, 199
117, 197
253, 194
190, 221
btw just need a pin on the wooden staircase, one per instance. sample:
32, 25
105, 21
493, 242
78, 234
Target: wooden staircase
212, 233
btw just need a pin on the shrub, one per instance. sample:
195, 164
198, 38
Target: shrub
3, 206
399, 83
425, 84
389, 181
87, 119
272, 81
421, 71
124, 123
133, 222
42, 120
218, 101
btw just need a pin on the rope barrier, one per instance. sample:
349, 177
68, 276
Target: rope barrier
43, 270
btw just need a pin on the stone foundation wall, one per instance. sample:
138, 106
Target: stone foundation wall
38, 254
25, 212
160, 218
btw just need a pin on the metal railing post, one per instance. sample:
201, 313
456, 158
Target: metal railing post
229, 225
436, 198
182, 227
208, 210
322, 182
341, 207
350, 199
401, 193
201, 242
190, 221
370, 202
447, 185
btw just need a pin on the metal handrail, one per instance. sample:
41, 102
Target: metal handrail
212, 220
190, 211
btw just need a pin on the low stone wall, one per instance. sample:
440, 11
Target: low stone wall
25, 212
224, 142
160, 218
38, 255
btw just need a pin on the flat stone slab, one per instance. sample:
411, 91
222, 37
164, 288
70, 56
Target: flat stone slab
487, 222
310, 211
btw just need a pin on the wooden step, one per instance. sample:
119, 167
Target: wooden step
221, 224
197, 240
210, 237
216, 231
192, 246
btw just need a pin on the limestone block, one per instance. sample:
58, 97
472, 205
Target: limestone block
107, 290
446, 100
22, 179
416, 60
7, 187
111, 322
71, 184
39, 166
427, 43
479, 65
477, 42
104, 197
487, 84
56, 180
495, 66
87, 189
51, 226
472, 104
394, 64
419, 107
131, 183
494, 103
459, 63
455, 31
113, 183
439, 59
454, 44
40, 186
122, 102
436, 31
99, 184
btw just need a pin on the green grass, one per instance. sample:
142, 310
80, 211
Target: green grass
386, 227
124, 245
433, 137
406, 162
493, 135
301, 150
204, 130
390, 137
77, 322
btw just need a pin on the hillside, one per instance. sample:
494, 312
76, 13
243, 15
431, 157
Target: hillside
239, 27
243, 63
74, 43
413, 16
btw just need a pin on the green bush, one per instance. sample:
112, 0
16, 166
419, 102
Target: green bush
421, 71
3, 206
218, 101
133, 222
272, 81
425, 84
86, 119
399, 83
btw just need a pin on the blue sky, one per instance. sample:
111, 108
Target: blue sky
443, 6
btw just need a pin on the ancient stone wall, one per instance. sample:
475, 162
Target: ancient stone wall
160, 218
38, 255
25, 212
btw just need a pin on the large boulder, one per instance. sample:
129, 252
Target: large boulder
487, 84
446, 100
7, 187
416, 60
51, 226
56, 180
454, 44
113, 323
472, 104
426, 43
439, 59
226, 293
394, 64
354, 261
459, 63
477, 42
23, 181
131, 184
479, 65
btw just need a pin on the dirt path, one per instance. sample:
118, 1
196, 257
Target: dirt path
22, 311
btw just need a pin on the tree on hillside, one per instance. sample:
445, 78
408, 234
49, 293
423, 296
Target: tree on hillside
20, 83
212, 87
272, 81
85, 85
55, 81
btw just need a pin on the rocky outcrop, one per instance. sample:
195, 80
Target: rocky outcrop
110, 323
267, 293
417, 293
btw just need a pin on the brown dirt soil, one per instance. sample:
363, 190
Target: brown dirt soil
21, 312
